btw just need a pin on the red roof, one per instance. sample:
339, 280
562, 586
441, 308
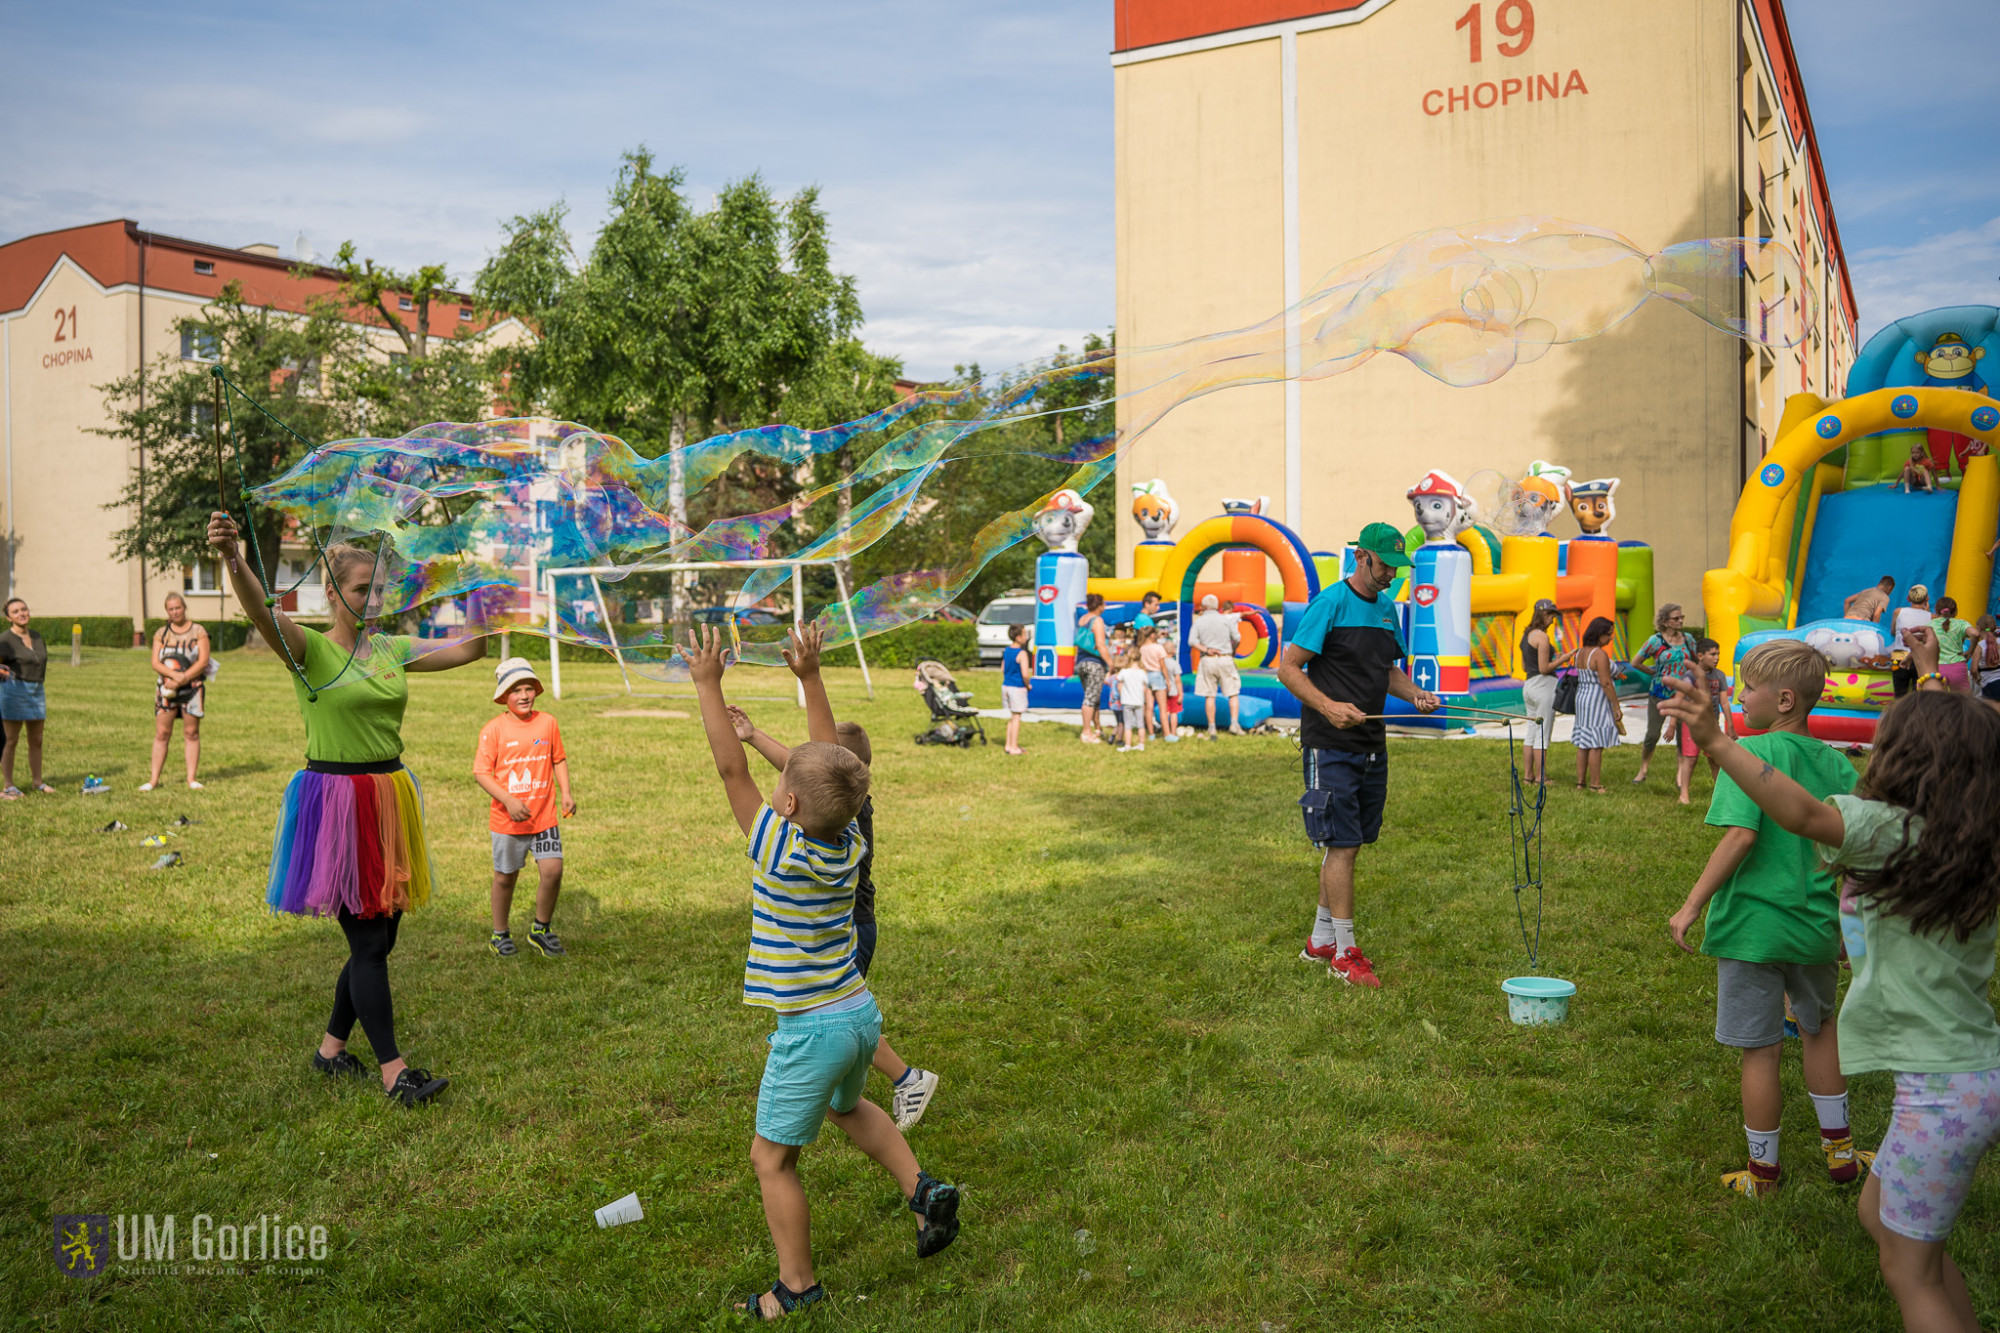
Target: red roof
1151, 22
111, 253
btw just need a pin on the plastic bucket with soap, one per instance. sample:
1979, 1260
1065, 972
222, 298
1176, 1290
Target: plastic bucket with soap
1536, 1001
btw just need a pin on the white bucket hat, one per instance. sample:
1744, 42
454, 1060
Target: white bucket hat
511, 673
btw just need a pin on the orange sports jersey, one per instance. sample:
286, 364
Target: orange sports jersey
522, 757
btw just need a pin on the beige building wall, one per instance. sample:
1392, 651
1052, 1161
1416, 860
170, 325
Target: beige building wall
71, 338
1645, 143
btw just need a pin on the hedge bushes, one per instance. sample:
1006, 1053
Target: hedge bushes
223, 635
98, 631
954, 643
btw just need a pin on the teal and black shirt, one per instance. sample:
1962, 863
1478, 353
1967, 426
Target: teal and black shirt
1355, 641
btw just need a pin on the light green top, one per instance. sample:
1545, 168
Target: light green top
1919, 1004
1951, 636
358, 717
1781, 905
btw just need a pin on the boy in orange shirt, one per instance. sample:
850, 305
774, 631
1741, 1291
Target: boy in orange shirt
520, 764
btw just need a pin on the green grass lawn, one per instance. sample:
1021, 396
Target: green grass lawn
1162, 1119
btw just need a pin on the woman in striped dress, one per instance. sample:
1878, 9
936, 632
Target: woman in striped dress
1599, 720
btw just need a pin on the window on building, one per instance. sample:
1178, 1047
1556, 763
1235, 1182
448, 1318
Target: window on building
198, 344
405, 303
465, 314
201, 416
399, 359
202, 576
204, 267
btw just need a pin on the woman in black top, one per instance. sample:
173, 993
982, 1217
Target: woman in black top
180, 659
24, 664
1538, 685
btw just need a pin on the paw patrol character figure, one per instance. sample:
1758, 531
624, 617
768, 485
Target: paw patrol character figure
1155, 511
1063, 519
1536, 499
1256, 506
1591, 502
1441, 504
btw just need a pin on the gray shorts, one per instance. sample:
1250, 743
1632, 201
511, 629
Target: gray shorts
1750, 999
511, 850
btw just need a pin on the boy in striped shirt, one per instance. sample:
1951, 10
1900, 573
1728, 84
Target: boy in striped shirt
806, 851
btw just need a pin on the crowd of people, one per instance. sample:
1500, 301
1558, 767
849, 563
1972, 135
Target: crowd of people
1894, 874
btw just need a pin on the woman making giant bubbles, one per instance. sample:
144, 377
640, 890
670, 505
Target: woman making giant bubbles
350, 841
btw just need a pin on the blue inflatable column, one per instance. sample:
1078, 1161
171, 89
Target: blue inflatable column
1441, 619
1060, 580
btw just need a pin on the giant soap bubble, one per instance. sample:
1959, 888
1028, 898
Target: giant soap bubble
469, 519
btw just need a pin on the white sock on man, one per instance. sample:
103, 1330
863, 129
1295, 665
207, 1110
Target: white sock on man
1832, 1112
1343, 933
1763, 1147
1322, 928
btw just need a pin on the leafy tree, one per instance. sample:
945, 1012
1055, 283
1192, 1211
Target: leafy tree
436, 377
279, 361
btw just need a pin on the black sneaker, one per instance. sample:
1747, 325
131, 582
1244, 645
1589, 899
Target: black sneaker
545, 940
937, 1203
415, 1086
502, 945
344, 1063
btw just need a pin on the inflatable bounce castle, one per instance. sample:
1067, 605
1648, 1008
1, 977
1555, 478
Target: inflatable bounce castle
1475, 577
1840, 501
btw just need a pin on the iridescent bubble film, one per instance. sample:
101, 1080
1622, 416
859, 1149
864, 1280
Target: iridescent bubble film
552, 528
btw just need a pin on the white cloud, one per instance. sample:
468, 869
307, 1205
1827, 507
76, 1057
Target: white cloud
1960, 267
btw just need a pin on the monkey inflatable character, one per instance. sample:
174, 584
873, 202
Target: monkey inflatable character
1155, 511
1949, 365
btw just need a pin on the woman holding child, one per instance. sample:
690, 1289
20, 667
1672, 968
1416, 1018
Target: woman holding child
1668, 650
1093, 644
350, 841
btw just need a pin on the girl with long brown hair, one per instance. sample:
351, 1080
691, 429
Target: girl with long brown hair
1920, 910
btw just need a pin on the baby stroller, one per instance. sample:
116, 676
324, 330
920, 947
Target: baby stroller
954, 721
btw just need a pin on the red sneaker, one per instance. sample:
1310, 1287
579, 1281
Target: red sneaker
1354, 968
1319, 953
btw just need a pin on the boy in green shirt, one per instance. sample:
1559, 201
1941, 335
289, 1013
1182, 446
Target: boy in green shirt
1774, 920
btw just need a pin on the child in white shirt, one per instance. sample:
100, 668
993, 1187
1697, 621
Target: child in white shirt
1132, 702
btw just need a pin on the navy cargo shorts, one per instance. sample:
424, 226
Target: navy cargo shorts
1345, 793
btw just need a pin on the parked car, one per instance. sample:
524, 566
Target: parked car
956, 615
1001, 612
722, 615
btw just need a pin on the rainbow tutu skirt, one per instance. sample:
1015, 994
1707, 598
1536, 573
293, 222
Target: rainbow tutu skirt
350, 837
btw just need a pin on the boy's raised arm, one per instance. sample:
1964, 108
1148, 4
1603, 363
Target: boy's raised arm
1794, 809
775, 754
705, 664
802, 656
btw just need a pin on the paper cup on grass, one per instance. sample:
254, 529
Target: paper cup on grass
1537, 1001
618, 1213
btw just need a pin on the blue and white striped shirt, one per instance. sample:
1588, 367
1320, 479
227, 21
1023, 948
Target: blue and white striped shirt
801, 916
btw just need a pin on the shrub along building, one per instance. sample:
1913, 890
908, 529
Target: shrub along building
1262, 142
80, 308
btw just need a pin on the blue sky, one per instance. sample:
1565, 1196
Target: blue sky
964, 152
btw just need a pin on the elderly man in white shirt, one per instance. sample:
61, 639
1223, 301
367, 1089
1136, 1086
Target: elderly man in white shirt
1212, 639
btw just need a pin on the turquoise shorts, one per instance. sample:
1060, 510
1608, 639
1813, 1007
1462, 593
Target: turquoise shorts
817, 1061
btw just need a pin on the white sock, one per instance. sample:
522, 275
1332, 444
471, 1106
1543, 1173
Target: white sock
1832, 1111
1343, 933
1763, 1146
1322, 929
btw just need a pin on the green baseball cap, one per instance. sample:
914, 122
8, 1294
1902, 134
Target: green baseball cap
1386, 543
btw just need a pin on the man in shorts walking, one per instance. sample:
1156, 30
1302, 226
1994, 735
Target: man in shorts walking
520, 764
1341, 665
1213, 638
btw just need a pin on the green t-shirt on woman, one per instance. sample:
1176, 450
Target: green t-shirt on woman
358, 717
1920, 1004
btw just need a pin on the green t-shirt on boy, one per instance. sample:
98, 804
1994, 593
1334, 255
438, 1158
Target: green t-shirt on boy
358, 717
1781, 905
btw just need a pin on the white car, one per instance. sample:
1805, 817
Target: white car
1001, 614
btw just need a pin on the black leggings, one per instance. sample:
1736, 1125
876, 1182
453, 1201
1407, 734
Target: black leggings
363, 989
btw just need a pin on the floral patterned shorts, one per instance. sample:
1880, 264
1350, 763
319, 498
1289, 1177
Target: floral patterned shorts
1942, 1125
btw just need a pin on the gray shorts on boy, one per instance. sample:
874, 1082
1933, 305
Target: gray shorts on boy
1750, 999
512, 850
